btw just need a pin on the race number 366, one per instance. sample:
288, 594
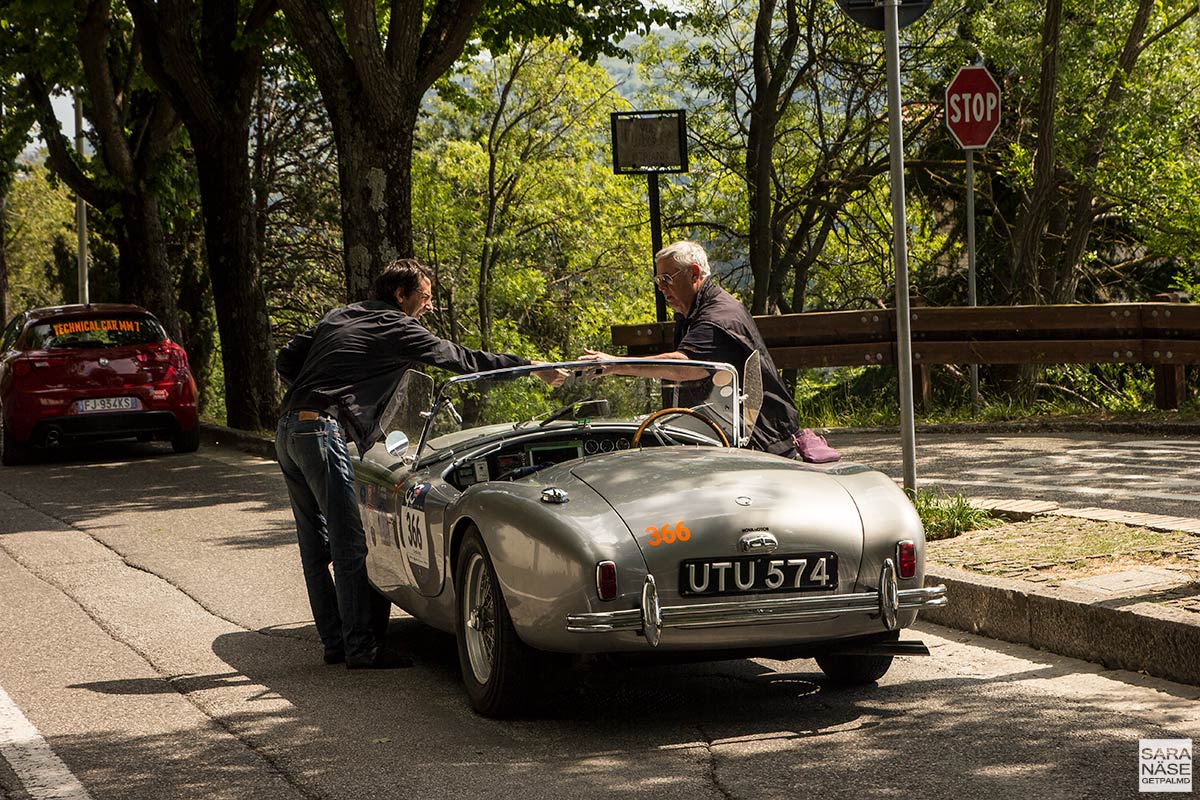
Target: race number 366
668, 534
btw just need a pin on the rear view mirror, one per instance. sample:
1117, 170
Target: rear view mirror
592, 409
396, 443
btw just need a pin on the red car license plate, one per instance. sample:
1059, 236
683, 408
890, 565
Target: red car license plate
95, 404
779, 573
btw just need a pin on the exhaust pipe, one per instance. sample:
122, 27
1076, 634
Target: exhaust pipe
53, 437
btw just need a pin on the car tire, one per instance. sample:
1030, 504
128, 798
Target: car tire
854, 670
11, 453
186, 441
498, 669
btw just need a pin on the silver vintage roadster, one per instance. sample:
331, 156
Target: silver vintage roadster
618, 513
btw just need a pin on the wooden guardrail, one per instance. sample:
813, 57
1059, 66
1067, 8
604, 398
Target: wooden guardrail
1165, 335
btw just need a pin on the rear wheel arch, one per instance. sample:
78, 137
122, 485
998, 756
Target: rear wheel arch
457, 535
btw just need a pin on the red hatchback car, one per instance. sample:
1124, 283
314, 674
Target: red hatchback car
86, 373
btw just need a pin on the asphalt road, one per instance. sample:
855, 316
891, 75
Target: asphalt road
154, 636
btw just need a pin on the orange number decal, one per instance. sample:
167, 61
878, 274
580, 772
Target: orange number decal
668, 534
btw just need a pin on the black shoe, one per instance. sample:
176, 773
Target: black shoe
382, 659
334, 656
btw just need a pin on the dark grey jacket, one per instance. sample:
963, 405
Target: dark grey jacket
349, 364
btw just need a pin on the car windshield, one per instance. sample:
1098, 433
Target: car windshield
492, 404
107, 330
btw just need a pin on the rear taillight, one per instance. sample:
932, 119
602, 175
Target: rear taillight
23, 367
906, 559
178, 357
154, 357
170, 354
606, 580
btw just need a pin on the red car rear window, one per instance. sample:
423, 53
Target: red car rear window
115, 330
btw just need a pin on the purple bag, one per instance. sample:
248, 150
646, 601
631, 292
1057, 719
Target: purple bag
813, 448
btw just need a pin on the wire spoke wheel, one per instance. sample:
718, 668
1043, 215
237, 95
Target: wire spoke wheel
479, 608
498, 669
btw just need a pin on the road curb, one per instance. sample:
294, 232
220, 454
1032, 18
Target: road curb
246, 441
1119, 633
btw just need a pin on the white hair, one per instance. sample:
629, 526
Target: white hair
684, 254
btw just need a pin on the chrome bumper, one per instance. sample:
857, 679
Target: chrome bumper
651, 617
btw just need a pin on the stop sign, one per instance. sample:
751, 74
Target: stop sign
973, 107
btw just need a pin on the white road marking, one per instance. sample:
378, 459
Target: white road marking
41, 772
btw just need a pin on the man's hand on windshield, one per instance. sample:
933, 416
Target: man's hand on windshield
553, 377
597, 355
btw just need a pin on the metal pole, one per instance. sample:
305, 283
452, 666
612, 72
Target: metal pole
908, 439
660, 302
971, 297
81, 211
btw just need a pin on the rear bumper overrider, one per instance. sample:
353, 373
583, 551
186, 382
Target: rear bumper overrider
651, 617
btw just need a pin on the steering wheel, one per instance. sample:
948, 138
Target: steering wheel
663, 412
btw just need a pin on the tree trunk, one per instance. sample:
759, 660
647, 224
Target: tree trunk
1084, 197
374, 170
5, 310
247, 349
209, 62
143, 268
1035, 207
760, 142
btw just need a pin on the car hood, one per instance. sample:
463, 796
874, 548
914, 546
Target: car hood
722, 496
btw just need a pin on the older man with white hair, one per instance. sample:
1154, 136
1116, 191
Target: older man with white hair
712, 325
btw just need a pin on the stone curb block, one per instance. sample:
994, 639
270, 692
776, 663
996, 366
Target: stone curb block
247, 441
1147, 638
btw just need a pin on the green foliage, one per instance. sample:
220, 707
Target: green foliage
868, 396
38, 215
538, 247
295, 178
595, 26
946, 516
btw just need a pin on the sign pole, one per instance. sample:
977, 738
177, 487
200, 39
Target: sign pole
81, 254
650, 143
908, 439
972, 299
972, 117
660, 301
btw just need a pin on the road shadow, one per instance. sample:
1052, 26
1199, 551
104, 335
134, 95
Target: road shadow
743, 728
82, 486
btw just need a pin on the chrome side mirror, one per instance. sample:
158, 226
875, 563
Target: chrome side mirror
396, 443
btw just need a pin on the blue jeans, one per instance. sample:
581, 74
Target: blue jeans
320, 483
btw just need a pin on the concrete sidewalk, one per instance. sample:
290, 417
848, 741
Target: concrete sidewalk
1143, 619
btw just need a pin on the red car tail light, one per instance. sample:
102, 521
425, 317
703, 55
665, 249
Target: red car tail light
178, 357
906, 559
606, 580
22, 367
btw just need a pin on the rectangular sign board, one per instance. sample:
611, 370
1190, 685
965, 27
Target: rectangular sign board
649, 142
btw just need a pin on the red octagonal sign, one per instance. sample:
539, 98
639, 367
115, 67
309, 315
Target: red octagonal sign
973, 107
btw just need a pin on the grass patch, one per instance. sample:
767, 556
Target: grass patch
946, 516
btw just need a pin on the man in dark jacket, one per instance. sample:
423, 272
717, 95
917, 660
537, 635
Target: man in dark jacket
342, 373
712, 325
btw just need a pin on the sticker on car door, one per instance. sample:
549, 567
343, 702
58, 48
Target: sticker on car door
413, 532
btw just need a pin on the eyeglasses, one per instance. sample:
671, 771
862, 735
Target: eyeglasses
664, 280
